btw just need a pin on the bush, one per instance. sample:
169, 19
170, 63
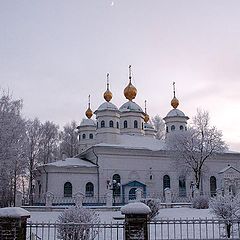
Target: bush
153, 204
200, 202
76, 223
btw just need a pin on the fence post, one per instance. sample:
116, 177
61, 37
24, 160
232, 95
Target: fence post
138, 194
49, 199
109, 198
136, 217
18, 199
168, 196
78, 199
13, 221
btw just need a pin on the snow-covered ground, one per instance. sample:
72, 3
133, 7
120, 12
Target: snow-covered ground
108, 216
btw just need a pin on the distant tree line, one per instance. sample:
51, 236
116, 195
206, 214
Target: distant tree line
25, 144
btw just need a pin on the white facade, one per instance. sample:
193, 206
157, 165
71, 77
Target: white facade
123, 148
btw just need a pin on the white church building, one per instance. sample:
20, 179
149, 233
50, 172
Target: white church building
118, 152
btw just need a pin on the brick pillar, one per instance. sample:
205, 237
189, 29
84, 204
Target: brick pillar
136, 217
13, 222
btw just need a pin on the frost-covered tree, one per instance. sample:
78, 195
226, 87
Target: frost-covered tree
69, 140
159, 126
227, 208
34, 131
192, 148
49, 144
12, 139
78, 223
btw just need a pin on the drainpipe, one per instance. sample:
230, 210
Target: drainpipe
46, 186
98, 180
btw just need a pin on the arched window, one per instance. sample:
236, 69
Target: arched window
91, 136
125, 124
67, 189
182, 186
111, 124
172, 128
181, 127
117, 124
117, 188
213, 186
185, 128
167, 129
89, 190
132, 194
102, 124
97, 124
142, 126
166, 182
84, 136
135, 124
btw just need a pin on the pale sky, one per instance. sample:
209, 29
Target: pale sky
54, 53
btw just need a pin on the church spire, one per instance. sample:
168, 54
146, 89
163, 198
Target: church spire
174, 101
107, 95
146, 116
130, 91
89, 112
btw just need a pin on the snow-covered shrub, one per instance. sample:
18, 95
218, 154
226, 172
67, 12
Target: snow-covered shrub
200, 202
227, 208
153, 204
77, 223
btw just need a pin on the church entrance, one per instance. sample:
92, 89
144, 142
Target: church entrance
129, 190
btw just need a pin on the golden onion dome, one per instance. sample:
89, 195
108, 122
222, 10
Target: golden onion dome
146, 117
130, 92
89, 113
107, 95
174, 102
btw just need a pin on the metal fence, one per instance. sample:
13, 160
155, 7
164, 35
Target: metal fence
162, 229
74, 231
193, 229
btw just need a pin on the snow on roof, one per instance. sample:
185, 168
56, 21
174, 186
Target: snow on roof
75, 162
87, 122
130, 106
15, 212
107, 106
175, 113
137, 142
228, 167
135, 208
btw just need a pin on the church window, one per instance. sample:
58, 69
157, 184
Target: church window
167, 129
135, 124
84, 136
181, 128
67, 189
185, 128
89, 191
117, 188
91, 136
125, 125
166, 182
172, 128
213, 186
182, 186
102, 124
142, 126
111, 124
117, 124
97, 124
132, 194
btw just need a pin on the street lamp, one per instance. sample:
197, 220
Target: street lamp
113, 186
